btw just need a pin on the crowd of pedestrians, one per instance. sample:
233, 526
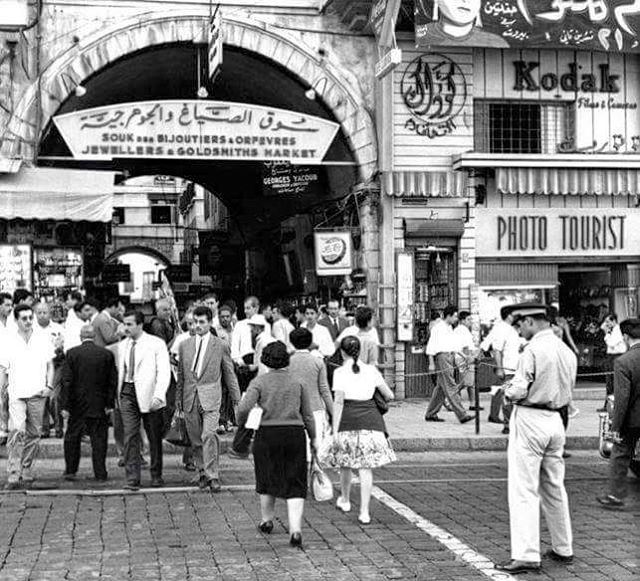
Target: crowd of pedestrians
114, 367
311, 378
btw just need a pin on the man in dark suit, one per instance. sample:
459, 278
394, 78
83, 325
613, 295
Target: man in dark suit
333, 321
625, 424
204, 361
88, 388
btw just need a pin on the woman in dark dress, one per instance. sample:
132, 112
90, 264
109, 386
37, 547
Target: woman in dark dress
279, 448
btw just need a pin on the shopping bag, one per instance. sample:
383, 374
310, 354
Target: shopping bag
177, 433
321, 485
254, 418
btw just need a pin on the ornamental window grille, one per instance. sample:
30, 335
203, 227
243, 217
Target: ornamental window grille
522, 126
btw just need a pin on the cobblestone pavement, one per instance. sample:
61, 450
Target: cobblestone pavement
65, 533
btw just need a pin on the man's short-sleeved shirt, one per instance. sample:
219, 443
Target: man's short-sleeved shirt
26, 363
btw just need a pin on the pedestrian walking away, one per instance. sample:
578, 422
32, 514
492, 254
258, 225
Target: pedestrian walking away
440, 350
360, 440
143, 379
26, 363
541, 393
279, 450
204, 361
625, 424
89, 381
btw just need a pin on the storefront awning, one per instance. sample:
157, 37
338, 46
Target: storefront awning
496, 274
57, 194
425, 184
568, 181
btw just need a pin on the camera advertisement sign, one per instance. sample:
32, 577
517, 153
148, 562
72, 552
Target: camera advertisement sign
588, 25
333, 253
197, 129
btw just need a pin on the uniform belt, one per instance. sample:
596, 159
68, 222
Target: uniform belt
541, 407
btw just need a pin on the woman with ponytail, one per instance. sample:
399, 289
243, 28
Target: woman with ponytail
359, 434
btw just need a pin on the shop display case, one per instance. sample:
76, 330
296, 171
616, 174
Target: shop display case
57, 270
15, 267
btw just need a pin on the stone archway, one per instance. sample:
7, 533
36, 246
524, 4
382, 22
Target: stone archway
340, 91
126, 248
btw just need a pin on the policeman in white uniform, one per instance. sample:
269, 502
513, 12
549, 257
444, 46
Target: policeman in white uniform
541, 392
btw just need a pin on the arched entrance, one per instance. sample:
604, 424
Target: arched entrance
145, 265
336, 88
157, 60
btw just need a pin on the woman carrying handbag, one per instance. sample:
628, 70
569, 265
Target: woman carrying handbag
359, 433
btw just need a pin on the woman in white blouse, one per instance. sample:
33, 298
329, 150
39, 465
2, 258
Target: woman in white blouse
359, 434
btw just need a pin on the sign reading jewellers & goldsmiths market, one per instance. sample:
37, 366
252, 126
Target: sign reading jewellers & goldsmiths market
196, 129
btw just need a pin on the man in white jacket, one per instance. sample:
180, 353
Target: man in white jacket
144, 374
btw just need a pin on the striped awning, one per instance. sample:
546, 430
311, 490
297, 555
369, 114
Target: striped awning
568, 181
425, 184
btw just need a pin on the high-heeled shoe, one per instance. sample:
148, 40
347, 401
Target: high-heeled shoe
266, 527
364, 519
296, 540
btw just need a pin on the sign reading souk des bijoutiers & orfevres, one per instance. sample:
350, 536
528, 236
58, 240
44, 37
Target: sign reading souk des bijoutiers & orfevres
558, 232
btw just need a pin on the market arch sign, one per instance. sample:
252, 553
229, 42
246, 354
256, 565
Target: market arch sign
196, 129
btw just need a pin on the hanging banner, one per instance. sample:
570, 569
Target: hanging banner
333, 253
589, 25
196, 129
215, 44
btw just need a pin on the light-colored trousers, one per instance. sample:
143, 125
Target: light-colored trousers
4, 410
205, 443
536, 480
25, 424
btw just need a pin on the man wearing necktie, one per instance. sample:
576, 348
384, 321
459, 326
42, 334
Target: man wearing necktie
204, 362
333, 321
144, 373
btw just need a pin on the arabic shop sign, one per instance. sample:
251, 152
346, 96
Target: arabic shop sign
434, 90
558, 232
197, 129
590, 25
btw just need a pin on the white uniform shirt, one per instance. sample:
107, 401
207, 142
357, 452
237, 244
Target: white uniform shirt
505, 339
442, 339
322, 338
26, 363
357, 386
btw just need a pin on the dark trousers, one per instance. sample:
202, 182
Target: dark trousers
621, 456
97, 428
609, 377
53, 412
153, 425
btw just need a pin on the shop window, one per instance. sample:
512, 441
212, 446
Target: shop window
522, 127
119, 216
161, 214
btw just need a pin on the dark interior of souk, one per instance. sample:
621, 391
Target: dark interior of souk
268, 249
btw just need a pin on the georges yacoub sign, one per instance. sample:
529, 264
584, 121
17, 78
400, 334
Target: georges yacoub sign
558, 232
590, 25
196, 130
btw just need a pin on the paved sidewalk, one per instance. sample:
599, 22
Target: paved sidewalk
409, 431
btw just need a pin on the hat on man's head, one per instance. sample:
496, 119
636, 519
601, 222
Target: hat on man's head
258, 320
522, 310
